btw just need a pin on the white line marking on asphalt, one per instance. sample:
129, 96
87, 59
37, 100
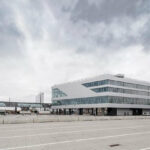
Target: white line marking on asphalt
76, 140
12, 126
148, 148
36, 127
49, 128
33, 125
65, 132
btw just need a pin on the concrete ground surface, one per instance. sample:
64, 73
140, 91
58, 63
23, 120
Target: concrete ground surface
80, 135
14, 119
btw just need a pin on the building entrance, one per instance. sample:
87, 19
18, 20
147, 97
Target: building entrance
112, 111
137, 111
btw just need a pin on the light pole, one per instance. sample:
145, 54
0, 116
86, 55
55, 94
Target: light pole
9, 101
40, 100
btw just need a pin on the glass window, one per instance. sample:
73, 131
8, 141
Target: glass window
120, 90
102, 99
96, 83
142, 87
116, 83
58, 93
2, 105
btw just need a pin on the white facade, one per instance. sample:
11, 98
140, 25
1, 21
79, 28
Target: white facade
104, 91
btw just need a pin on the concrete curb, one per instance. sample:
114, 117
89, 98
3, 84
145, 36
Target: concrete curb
18, 119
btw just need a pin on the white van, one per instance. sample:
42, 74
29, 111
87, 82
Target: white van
13, 110
2, 108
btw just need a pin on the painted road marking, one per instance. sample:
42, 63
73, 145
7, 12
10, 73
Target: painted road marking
148, 148
31, 125
66, 132
50, 128
76, 140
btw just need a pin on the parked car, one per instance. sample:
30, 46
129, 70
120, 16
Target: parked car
36, 108
146, 113
13, 110
2, 108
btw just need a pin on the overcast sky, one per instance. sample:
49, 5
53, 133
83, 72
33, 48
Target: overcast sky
46, 42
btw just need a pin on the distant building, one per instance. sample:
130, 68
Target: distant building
40, 98
102, 95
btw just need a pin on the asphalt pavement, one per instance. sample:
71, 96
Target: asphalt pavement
79, 135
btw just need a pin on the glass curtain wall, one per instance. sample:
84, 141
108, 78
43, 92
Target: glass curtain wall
102, 99
116, 83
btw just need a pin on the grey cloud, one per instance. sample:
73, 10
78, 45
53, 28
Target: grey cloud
10, 35
86, 17
33, 14
71, 17
122, 13
64, 6
105, 11
145, 37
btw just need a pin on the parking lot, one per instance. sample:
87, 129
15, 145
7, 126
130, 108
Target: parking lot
80, 135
